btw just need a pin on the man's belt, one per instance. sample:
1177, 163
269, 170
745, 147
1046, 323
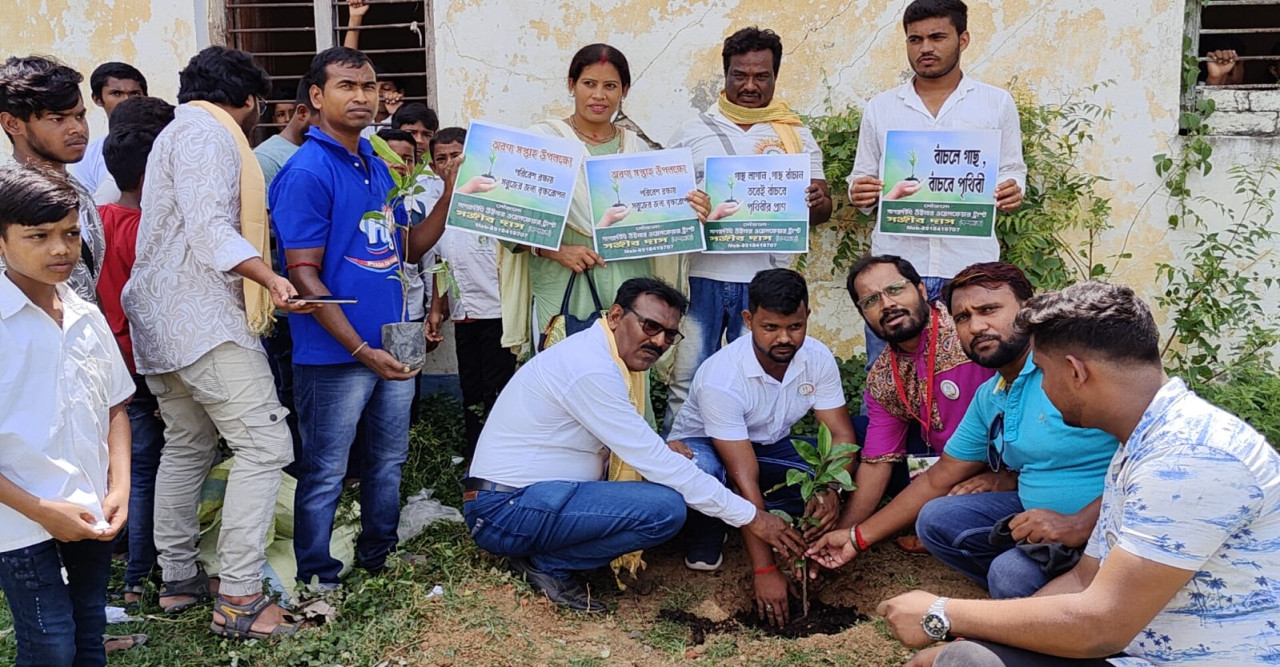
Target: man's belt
473, 485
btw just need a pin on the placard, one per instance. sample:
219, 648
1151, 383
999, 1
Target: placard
638, 204
758, 203
515, 185
939, 183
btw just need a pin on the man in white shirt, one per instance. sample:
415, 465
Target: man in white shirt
110, 84
742, 405
746, 120
939, 97
535, 492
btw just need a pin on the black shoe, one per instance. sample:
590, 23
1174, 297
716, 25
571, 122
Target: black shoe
568, 592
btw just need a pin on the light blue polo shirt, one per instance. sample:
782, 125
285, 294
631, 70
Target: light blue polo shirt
1061, 468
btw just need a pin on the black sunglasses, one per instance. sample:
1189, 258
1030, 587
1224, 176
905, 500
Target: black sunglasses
995, 453
652, 328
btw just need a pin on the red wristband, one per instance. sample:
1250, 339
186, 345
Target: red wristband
297, 264
767, 570
857, 537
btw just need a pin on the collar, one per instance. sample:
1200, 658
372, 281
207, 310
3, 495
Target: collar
907, 93
1027, 369
13, 300
751, 367
365, 149
1170, 394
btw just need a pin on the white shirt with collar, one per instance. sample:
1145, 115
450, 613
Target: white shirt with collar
565, 410
57, 387
972, 106
183, 299
711, 134
732, 398
473, 261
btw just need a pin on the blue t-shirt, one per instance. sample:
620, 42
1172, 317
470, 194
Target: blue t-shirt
1061, 468
319, 199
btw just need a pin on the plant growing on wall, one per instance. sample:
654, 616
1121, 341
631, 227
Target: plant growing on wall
828, 467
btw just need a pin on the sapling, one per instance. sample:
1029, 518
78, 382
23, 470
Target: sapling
493, 159
733, 182
404, 339
617, 190
911, 157
828, 467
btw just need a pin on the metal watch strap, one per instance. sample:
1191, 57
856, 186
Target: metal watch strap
937, 630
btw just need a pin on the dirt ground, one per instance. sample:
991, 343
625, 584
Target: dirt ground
649, 624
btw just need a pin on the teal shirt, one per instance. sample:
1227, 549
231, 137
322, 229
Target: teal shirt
1061, 468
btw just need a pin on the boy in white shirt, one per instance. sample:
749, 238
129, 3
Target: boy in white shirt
64, 432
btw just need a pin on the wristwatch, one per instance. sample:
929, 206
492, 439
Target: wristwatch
935, 621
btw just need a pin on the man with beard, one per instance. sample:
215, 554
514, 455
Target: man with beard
1047, 510
917, 392
536, 492
43, 114
737, 424
939, 97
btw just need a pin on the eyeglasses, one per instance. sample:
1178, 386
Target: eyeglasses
652, 328
262, 103
995, 453
872, 301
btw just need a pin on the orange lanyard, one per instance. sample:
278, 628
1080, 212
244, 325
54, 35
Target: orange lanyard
932, 344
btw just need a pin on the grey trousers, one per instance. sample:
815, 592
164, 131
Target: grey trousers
229, 392
982, 654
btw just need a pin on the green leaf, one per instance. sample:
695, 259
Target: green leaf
807, 452
384, 151
783, 515
844, 450
795, 477
846, 481
806, 490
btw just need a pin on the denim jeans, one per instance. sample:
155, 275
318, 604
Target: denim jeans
715, 313
148, 441
566, 527
332, 401
774, 460
876, 344
58, 622
955, 529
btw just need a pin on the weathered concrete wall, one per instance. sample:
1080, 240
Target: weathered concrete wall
156, 36
507, 62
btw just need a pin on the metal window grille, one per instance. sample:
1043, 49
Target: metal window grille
1250, 27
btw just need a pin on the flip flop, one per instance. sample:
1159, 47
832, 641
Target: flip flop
912, 545
135, 641
240, 618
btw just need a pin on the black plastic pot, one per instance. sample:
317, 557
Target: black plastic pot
406, 342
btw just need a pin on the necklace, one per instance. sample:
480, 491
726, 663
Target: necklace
591, 136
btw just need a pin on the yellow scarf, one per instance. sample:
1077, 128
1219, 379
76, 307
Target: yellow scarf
253, 220
778, 114
619, 471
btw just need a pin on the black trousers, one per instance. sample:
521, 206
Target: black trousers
484, 367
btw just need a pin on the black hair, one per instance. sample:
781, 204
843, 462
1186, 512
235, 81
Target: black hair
937, 9
318, 75
634, 288
135, 124
31, 196
598, 54
390, 74
34, 85
150, 112
415, 112
219, 75
448, 135
114, 70
753, 39
905, 269
388, 134
780, 291
1093, 318
303, 95
990, 275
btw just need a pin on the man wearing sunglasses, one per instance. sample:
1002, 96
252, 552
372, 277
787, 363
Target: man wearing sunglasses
1047, 510
535, 493
736, 425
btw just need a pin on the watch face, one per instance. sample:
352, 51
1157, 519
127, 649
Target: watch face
935, 626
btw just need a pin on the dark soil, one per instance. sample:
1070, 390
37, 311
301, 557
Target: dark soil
823, 619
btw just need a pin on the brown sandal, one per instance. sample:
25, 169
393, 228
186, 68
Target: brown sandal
240, 617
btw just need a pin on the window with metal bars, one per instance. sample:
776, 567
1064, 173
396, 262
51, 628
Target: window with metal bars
1237, 47
283, 36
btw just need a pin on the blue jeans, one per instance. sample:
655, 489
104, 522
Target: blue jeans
148, 441
715, 313
876, 344
774, 460
955, 529
58, 623
566, 527
332, 401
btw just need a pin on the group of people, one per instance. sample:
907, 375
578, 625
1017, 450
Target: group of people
1032, 441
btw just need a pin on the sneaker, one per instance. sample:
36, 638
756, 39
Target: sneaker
706, 556
571, 593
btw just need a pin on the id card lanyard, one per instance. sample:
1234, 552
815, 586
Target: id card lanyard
926, 420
